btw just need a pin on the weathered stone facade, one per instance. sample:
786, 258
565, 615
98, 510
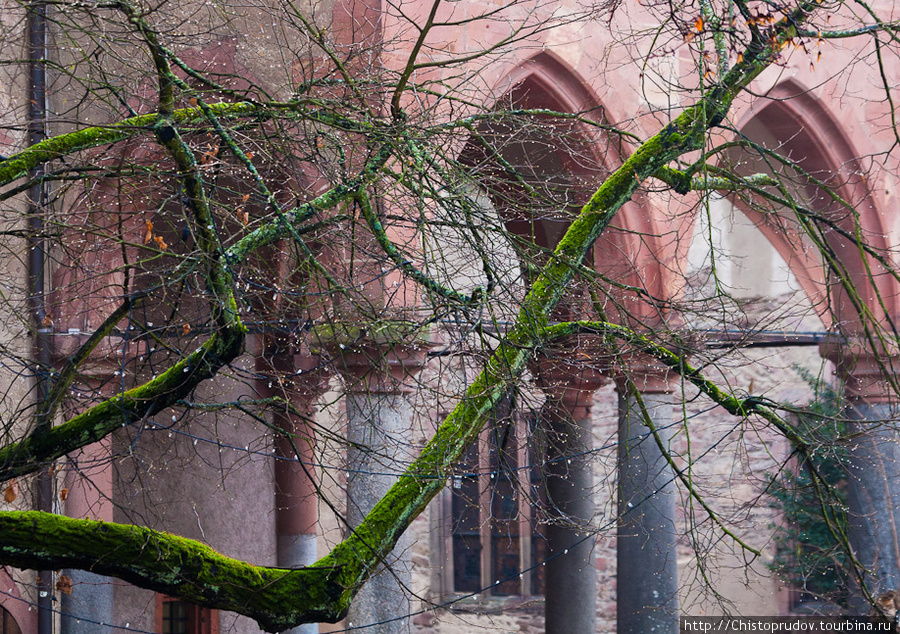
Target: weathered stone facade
629, 546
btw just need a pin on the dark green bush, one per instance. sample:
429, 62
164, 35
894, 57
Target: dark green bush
808, 554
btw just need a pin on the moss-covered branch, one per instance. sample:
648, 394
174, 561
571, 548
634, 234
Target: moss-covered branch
70, 368
400, 261
684, 181
270, 233
323, 592
29, 454
678, 362
47, 443
373, 540
57, 147
276, 598
20, 164
176, 383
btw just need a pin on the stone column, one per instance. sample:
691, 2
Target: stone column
570, 581
299, 379
88, 607
647, 582
873, 471
379, 433
87, 492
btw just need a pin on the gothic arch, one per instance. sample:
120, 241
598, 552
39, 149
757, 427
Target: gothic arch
558, 85
634, 251
17, 607
803, 129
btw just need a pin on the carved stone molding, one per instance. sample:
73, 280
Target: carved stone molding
869, 375
379, 357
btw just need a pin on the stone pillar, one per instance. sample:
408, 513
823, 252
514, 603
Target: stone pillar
379, 433
647, 582
570, 581
873, 471
88, 607
88, 488
300, 380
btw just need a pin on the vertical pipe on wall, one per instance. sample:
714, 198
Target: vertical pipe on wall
36, 31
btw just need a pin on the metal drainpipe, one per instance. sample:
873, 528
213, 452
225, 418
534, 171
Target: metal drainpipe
36, 28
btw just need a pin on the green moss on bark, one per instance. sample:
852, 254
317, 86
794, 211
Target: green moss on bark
56, 147
276, 598
373, 540
28, 455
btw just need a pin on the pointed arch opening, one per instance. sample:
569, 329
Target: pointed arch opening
821, 219
537, 169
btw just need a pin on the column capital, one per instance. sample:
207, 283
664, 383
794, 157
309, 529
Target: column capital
283, 370
869, 375
375, 357
570, 371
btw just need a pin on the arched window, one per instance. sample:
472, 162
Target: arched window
8, 624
